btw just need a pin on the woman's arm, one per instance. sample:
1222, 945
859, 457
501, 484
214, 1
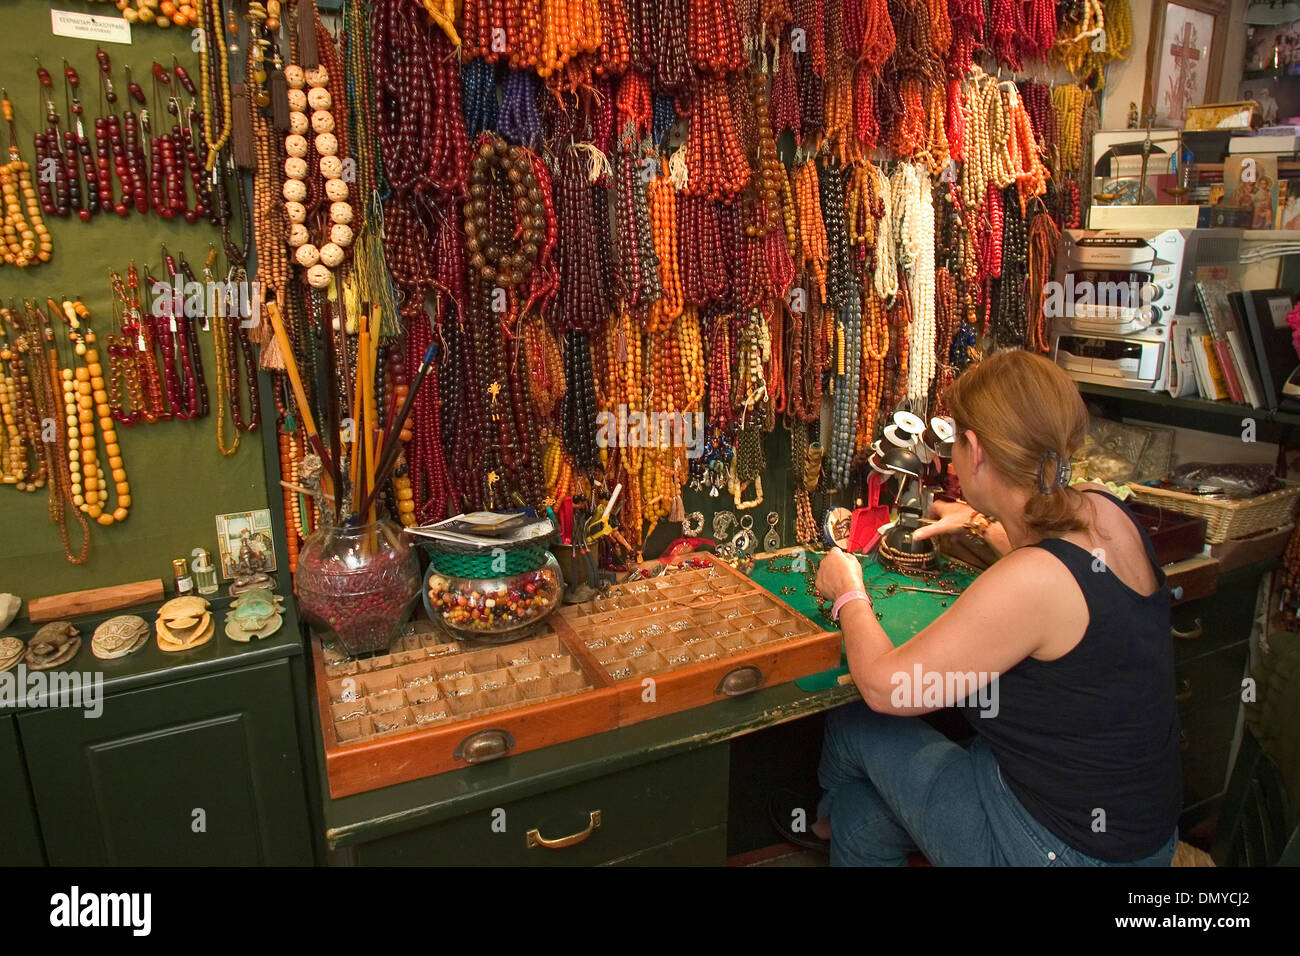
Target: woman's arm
955, 517
1002, 618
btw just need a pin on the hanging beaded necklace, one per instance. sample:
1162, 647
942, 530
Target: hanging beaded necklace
24, 464
636, 264
914, 234
1010, 309
26, 240
214, 74
717, 165
579, 303
76, 146
90, 405
45, 374
64, 193
505, 225
189, 376
109, 146
668, 307
310, 89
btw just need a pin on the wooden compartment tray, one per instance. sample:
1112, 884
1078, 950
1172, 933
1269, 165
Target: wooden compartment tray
701, 632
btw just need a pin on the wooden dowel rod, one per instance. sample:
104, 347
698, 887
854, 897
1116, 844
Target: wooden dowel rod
299, 394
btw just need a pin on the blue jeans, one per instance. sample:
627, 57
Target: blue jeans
895, 784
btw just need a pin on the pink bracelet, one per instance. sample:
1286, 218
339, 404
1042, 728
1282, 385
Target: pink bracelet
844, 599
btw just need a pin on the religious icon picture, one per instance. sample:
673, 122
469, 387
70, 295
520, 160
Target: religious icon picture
1251, 182
1184, 58
244, 543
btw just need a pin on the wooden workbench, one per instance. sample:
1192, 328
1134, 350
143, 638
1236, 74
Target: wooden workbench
663, 792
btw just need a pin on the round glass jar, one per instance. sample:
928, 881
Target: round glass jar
359, 583
498, 596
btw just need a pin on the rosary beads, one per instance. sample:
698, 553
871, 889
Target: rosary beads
26, 240
582, 207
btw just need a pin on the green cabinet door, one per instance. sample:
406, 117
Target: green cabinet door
20, 833
195, 773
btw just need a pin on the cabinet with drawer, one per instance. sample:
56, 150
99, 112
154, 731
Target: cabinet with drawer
1206, 742
1207, 624
21, 845
653, 814
1211, 638
206, 771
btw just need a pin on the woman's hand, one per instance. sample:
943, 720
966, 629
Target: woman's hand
838, 574
950, 517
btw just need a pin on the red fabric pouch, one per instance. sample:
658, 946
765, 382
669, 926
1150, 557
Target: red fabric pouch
864, 533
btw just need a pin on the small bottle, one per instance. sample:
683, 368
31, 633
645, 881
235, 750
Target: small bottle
205, 574
184, 583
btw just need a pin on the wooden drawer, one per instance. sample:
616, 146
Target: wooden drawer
702, 634
1204, 680
1204, 626
1206, 742
642, 812
705, 848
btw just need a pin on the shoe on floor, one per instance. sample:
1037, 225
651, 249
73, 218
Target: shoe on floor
782, 810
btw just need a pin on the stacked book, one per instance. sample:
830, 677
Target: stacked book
1222, 353
1268, 139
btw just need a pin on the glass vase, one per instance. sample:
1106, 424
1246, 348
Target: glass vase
359, 583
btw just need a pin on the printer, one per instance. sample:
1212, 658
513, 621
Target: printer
1117, 294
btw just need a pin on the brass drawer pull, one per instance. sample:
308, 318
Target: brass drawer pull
1185, 693
535, 838
484, 746
1195, 631
742, 680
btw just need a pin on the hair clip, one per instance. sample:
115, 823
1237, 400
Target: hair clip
1062, 470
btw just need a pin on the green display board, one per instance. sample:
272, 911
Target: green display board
179, 480
903, 614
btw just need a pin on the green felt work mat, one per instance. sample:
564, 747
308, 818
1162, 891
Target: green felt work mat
903, 613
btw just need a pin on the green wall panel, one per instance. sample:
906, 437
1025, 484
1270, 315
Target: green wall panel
179, 480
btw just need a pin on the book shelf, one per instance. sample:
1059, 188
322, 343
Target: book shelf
1199, 414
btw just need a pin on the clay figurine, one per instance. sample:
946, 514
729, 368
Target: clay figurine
11, 652
258, 581
54, 644
119, 636
254, 614
183, 623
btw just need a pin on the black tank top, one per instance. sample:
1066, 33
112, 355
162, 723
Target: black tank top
1089, 742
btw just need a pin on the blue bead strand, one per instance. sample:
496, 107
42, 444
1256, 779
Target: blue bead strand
519, 122
479, 96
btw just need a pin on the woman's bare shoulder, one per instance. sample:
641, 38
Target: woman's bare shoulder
1090, 486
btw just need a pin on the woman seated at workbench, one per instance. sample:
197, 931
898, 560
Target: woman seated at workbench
1066, 636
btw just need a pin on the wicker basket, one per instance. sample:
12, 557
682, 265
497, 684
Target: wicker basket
1226, 520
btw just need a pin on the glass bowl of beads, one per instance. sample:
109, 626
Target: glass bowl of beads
497, 596
359, 583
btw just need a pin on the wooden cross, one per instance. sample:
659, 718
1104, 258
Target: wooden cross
1185, 55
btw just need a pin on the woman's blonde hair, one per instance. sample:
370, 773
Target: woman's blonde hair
1030, 421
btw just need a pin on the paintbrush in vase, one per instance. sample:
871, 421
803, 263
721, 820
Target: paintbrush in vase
392, 442
300, 395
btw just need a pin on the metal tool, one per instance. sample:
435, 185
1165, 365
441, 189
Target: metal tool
906, 587
599, 526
